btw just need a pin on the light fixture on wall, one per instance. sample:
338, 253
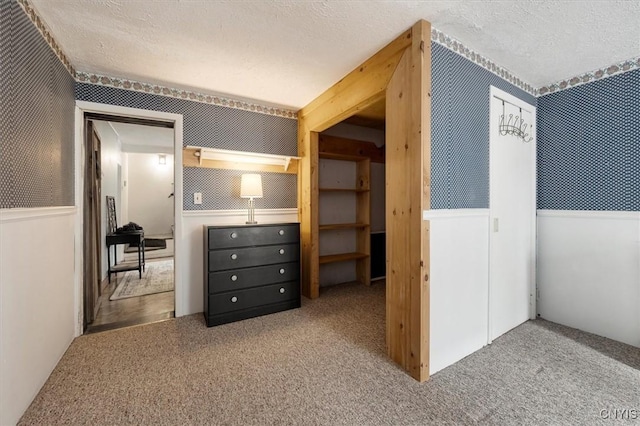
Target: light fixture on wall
162, 159
251, 187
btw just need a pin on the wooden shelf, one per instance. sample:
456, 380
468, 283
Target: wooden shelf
358, 231
196, 156
341, 157
343, 226
343, 190
342, 257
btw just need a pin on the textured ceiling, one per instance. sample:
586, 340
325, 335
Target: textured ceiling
286, 53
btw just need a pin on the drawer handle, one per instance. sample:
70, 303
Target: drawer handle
234, 235
281, 251
234, 256
234, 278
281, 290
281, 232
234, 299
281, 271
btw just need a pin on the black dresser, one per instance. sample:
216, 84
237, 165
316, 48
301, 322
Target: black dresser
250, 270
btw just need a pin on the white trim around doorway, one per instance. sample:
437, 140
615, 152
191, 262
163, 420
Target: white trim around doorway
177, 119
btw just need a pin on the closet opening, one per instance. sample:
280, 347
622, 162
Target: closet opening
351, 199
396, 80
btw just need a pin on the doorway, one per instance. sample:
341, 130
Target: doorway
162, 258
137, 178
512, 214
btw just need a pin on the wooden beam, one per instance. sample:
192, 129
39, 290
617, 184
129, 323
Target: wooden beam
350, 147
363, 215
407, 135
308, 195
361, 88
420, 194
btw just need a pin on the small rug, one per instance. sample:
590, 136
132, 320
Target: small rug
157, 278
150, 244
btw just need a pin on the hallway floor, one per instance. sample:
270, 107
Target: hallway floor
114, 314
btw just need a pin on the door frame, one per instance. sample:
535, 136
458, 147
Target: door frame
81, 108
493, 131
91, 232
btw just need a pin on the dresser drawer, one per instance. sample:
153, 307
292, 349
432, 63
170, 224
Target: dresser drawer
240, 236
220, 260
252, 297
236, 279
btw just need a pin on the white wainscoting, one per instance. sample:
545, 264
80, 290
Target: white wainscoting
193, 241
36, 301
459, 284
589, 271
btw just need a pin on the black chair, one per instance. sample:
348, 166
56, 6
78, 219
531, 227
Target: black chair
113, 238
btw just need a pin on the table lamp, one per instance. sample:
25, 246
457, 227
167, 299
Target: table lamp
251, 187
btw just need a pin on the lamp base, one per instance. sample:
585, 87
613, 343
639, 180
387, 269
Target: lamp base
251, 216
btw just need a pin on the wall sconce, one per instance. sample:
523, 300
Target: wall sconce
162, 159
251, 187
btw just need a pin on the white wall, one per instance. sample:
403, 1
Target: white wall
110, 158
149, 185
459, 242
36, 301
589, 271
123, 208
193, 245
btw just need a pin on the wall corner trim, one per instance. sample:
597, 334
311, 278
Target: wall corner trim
241, 212
591, 76
46, 35
457, 47
590, 214
20, 215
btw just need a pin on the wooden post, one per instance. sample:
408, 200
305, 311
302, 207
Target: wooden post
407, 180
401, 73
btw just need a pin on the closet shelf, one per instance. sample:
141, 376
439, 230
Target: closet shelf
343, 190
343, 226
342, 257
196, 156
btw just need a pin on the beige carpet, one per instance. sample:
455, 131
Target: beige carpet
325, 364
156, 278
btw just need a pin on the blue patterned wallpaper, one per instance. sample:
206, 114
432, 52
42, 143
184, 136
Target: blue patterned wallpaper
589, 146
37, 110
460, 107
215, 126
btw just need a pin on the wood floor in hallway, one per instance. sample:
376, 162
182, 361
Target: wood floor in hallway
114, 314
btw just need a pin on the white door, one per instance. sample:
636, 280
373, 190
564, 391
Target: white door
512, 217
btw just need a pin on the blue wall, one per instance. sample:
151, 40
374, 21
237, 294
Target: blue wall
589, 146
215, 126
37, 116
460, 108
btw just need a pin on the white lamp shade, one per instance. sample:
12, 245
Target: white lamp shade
251, 186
